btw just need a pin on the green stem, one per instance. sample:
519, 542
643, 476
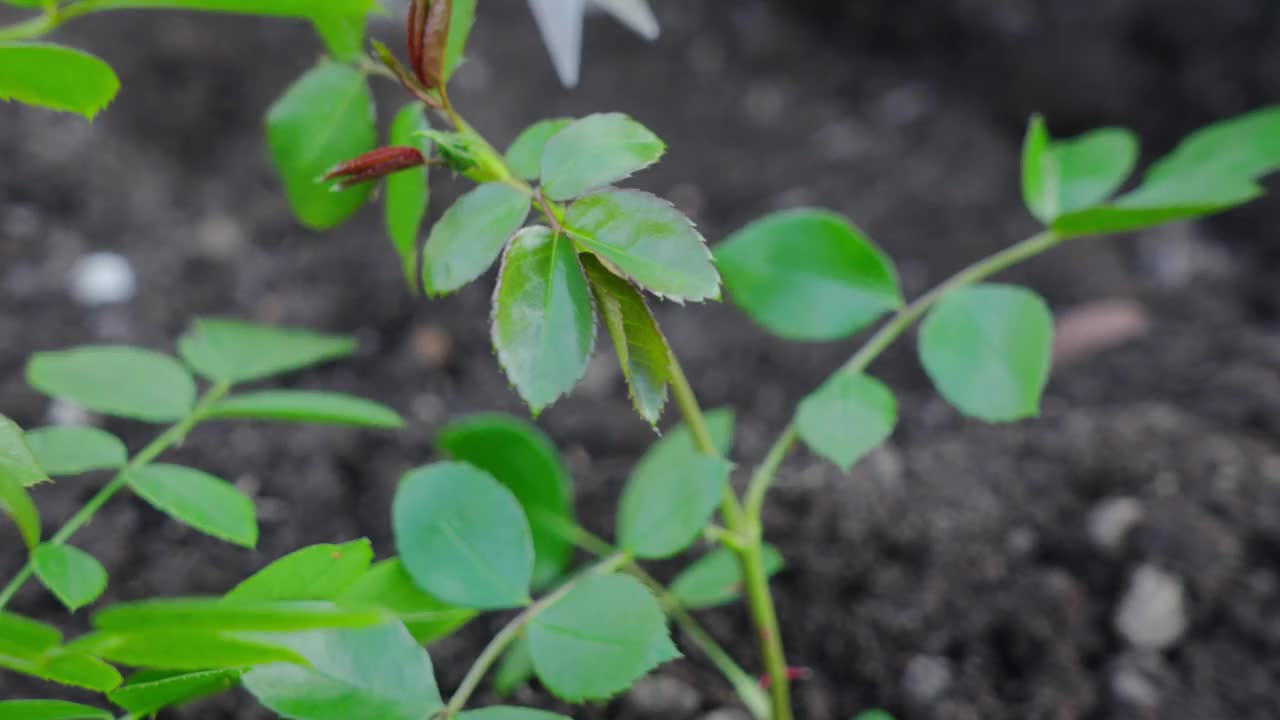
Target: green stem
170, 437
31, 29
500, 642
1035, 245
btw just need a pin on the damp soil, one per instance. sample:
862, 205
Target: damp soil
954, 574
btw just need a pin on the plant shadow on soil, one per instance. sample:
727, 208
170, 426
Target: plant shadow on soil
953, 575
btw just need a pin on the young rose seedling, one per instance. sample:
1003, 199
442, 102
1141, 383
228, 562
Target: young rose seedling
325, 633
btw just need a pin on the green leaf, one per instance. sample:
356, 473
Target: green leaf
716, 578
808, 275
1072, 175
1214, 169
873, 715
72, 575
501, 712
470, 236
544, 325
308, 406
598, 639
237, 352
178, 648
524, 157
56, 77
343, 35
642, 350
220, 615
378, 672
595, 151
988, 349
150, 691
71, 450
673, 491
31, 647
22, 637
324, 118
847, 418
407, 191
515, 669
278, 8
318, 572
116, 380
387, 585
461, 20
518, 455
198, 499
19, 470
463, 537
50, 710
646, 238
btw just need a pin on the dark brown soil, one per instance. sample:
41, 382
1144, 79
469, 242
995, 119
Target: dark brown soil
950, 576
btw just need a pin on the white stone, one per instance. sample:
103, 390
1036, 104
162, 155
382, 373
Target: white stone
1111, 520
102, 278
926, 678
1152, 615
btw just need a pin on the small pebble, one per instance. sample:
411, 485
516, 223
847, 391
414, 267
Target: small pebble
61, 412
1152, 615
1111, 520
664, 696
432, 345
102, 278
926, 678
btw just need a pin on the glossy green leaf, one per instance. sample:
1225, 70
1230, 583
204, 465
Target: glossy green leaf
598, 639
988, 350
515, 669
279, 8
470, 236
74, 449
387, 585
407, 191
307, 406
50, 710
544, 325
18, 471
524, 157
179, 648
377, 672
642, 350
463, 536
595, 151
1072, 175
808, 275
1212, 170
462, 19
116, 380
343, 35
237, 352
501, 712
23, 637
846, 418
56, 77
518, 455
74, 576
673, 491
150, 691
318, 572
716, 578
198, 499
646, 238
324, 118
220, 615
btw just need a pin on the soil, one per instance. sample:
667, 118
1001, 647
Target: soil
954, 575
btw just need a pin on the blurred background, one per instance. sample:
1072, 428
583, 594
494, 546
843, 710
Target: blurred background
1118, 558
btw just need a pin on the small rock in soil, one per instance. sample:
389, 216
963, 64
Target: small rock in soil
663, 696
1153, 613
726, 714
432, 345
1137, 680
926, 678
102, 278
1111, 520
